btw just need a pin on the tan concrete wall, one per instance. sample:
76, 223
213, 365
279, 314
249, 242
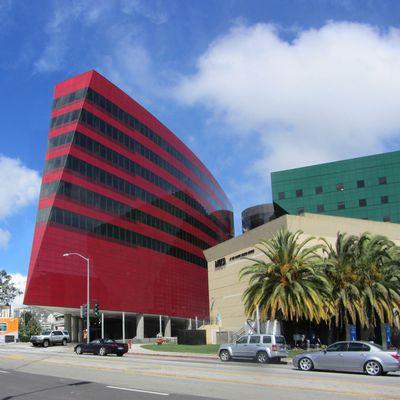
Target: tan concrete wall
225, 288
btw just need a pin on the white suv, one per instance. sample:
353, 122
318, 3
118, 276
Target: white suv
261, 347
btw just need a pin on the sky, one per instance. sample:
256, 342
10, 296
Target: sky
250, 86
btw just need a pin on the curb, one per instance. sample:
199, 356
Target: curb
175, 355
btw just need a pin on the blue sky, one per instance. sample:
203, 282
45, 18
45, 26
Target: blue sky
271, 84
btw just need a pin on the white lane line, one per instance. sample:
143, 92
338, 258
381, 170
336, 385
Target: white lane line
4, 372
138, 390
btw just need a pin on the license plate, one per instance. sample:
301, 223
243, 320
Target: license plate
120, 348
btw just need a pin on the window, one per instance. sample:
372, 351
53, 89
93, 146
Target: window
354, 346
384, 199
266, 339
318, 190
337, 347
341, 205
254, 339
242, 340
320, 208
386, 218
382, 180
281, 195
57, 333
300, 210
360, 184
299, 193
3, 326
362, 202
220, 263
280, 340
339, 187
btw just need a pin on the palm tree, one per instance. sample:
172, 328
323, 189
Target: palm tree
365, 277
343, 276
289, 283
378, 279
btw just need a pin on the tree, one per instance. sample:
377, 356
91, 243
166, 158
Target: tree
289, 283
8, 291
365, 276
343, 276
378, 279
28, 326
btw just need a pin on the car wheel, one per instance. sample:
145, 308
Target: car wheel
64, 342
119, 354
373, 368
305, 364
102, 351
78, 350
262, 357
46, 343
224, 355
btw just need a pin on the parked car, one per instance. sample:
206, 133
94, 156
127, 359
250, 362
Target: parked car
350, 357
261, 347
66, 335
102, 347
48, 338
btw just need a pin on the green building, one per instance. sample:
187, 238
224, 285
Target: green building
364, 187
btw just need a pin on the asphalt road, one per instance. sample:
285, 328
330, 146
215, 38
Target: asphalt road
59, 374
22, 385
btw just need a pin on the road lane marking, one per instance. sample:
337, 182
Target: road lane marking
138, 390
4, 372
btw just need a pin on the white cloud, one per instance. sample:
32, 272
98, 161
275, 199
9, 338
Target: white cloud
4, 238
329, 94
19, 281
58, 30
19, 186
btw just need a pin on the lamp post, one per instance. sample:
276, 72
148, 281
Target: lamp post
87, 291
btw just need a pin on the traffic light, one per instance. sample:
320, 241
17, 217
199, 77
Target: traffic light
83, 311
96, 310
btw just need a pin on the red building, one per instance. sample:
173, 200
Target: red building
120, 188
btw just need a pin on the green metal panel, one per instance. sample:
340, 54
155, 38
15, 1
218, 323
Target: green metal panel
347, 172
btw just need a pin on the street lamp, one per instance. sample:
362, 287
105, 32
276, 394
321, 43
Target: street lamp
87, 291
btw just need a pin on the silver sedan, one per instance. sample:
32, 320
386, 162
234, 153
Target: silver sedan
350, 357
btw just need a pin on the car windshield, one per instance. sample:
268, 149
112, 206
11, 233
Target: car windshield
46, 332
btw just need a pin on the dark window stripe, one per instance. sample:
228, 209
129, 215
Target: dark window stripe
99, 228
106, 204
125, 163
133, 123
112, 181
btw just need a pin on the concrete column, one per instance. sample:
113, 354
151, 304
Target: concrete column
139, 326
102, 325
80, 329
74, 329
189, 324
67, 322
123, 327
167, 329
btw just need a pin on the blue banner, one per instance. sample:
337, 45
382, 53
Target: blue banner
388, 337
353, 332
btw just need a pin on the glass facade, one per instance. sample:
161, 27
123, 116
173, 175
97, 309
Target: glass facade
366, 188
122, 189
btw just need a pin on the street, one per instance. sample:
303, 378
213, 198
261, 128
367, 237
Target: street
57, 373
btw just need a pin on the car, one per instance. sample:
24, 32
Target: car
350, 356
261, 347
102, 347
66, 335
48, 338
